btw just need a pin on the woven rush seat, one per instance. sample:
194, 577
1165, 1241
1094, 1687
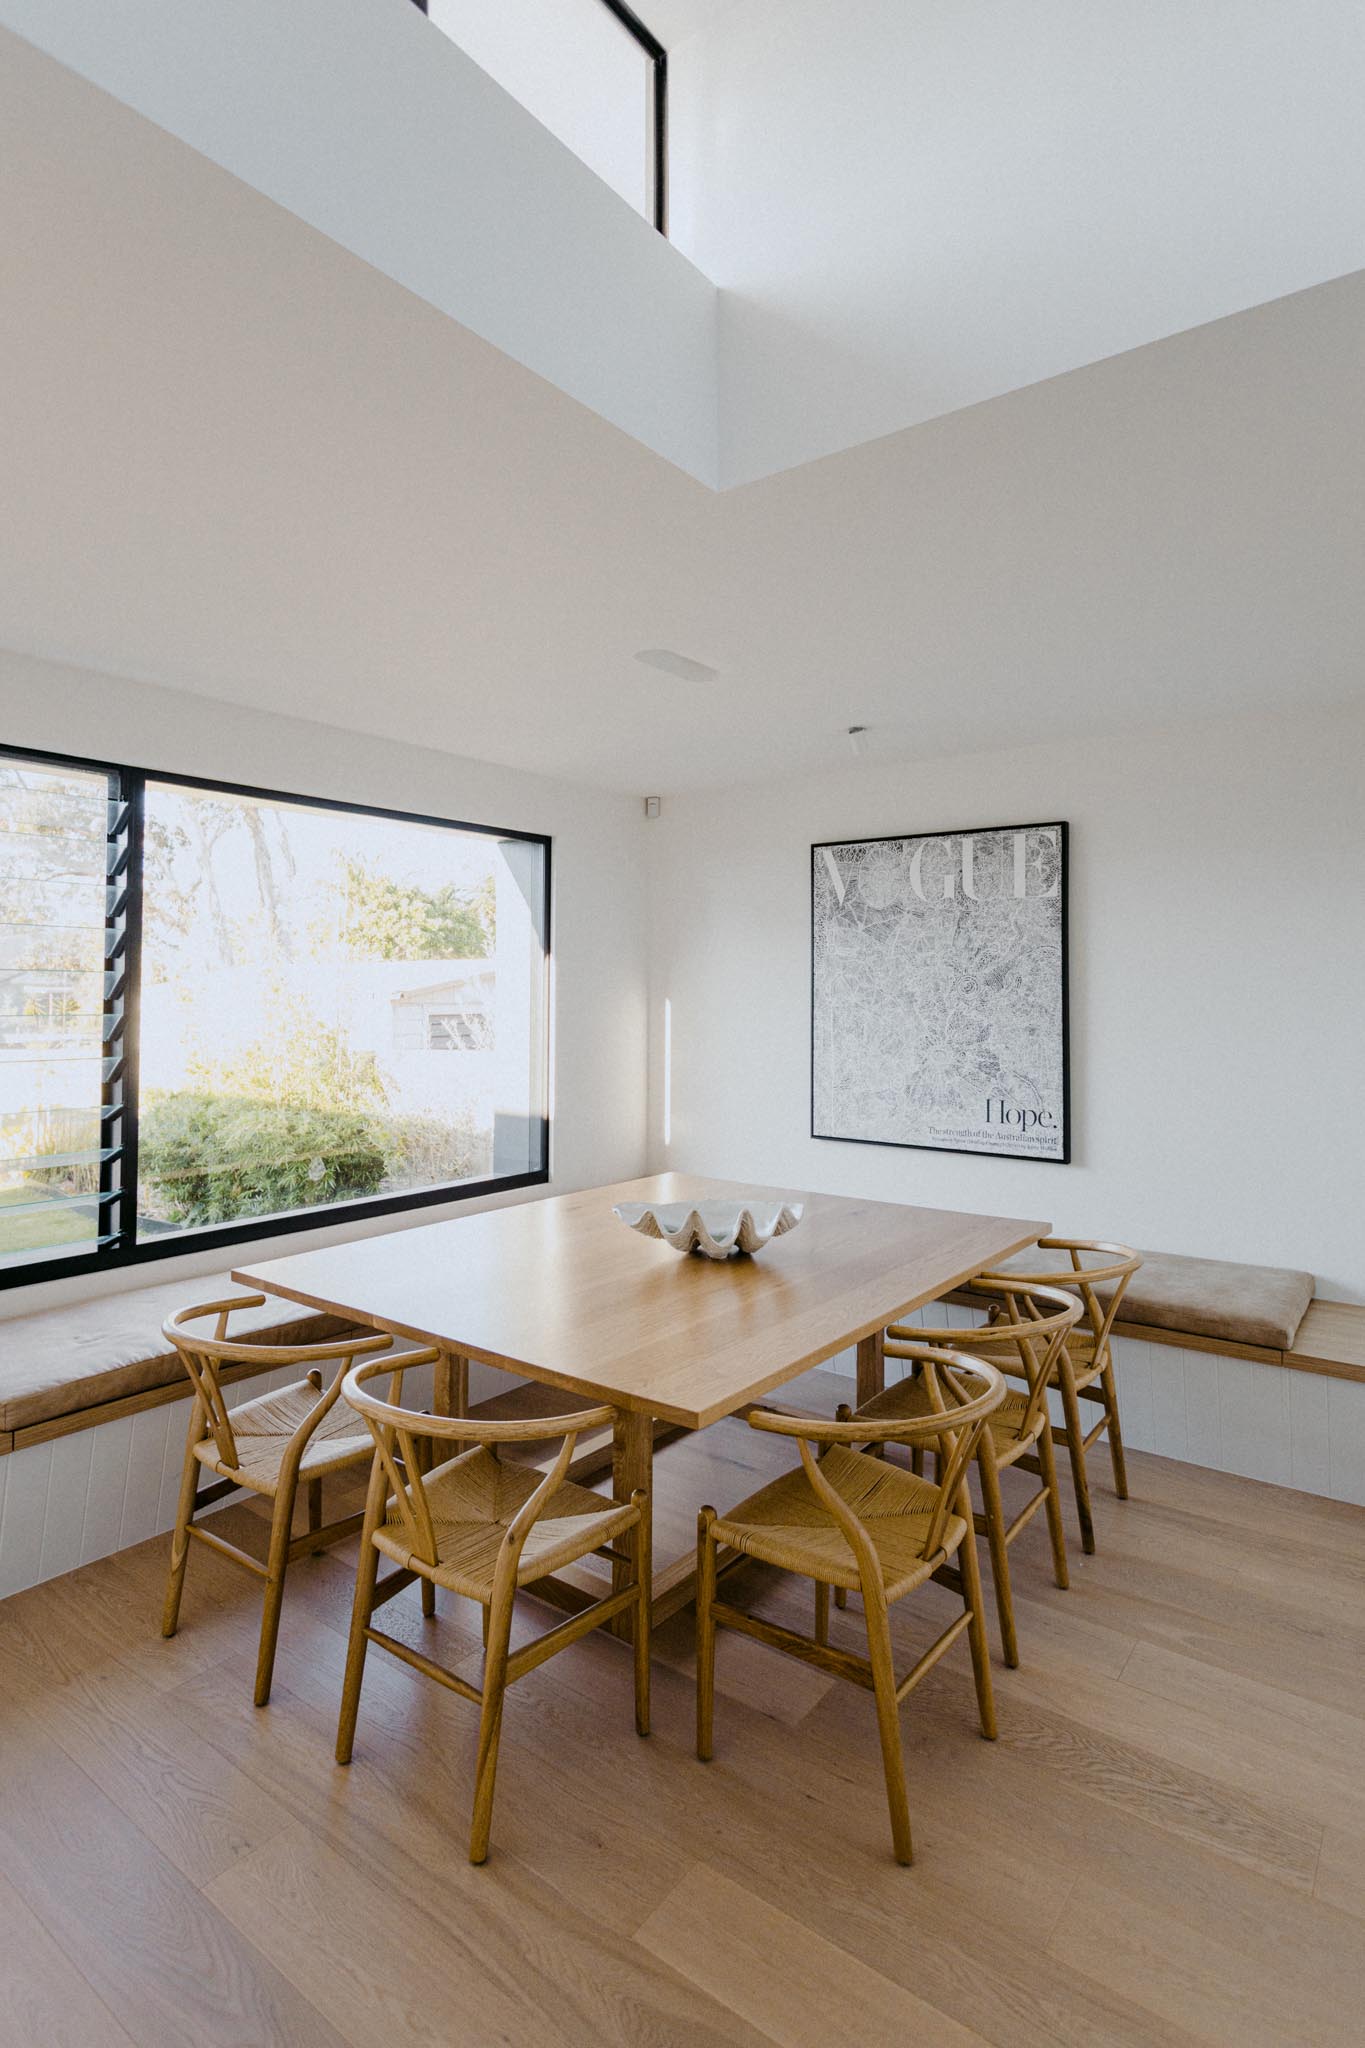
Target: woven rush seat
784, 1524
910, 1396
852, 1522
1098, 1273
1080, 1349
474, 1498
263, 1429
298, 1434
482, 1529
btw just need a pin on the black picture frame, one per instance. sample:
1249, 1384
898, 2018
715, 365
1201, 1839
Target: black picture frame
1060, 1157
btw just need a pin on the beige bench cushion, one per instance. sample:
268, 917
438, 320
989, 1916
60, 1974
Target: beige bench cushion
1213, 1298
62, 1360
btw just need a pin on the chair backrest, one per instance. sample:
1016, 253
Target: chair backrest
203, 1355
1116, 1267
964, 1392
395, 1430
1027, 1329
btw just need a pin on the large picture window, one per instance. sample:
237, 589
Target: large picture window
223, 1009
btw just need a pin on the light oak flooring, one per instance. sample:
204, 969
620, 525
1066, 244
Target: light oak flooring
1166, 1845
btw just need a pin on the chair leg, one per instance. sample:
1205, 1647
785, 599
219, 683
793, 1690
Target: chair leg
644, 1609
1047, 1459
1111, 1416
1075, 1443
315, 1509
841, 1596
490, 1717
428, 1598
999, 1549
970, 1567
706, 1633
281, 1526
180, 1540
486, 1621
888, 1720
822, 1611
362, 1607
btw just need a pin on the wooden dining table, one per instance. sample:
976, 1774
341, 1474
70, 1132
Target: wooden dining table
559, 1291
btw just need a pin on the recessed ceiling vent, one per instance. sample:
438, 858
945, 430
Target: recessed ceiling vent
677, 664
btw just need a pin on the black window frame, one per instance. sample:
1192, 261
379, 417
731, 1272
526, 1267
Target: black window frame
119, 1089
658, 58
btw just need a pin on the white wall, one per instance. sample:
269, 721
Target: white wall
1217, 978
598, 925
364, 120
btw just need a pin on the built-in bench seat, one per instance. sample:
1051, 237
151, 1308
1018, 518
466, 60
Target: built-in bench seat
1266, 1313
1201, 1348
72, 1368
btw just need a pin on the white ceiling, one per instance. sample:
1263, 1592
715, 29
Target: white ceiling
674, 20
913, 205
240, 462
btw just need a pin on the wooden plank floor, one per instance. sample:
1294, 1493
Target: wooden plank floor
1166, 1845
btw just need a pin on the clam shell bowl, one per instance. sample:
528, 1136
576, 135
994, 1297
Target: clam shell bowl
715, 1228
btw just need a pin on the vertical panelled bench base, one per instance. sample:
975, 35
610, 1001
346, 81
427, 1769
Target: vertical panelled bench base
75, 1497
1291, 1426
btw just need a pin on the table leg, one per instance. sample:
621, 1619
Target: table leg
871, 1366
632, 1466
450, 1385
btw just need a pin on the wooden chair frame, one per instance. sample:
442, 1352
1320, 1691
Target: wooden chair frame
210, 1416
398, 1482
954, 1429
1025, 1338
1077, 1379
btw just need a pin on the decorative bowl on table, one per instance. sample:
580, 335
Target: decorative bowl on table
715, 1228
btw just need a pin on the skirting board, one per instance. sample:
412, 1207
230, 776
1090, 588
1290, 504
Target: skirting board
1293, 1429
80, 1497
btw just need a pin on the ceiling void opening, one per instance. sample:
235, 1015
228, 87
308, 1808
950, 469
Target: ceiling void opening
588, 70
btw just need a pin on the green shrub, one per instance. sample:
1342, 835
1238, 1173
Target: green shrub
214, 1158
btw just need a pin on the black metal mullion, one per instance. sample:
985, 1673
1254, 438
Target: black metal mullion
114, 982
133, 790
118, 1086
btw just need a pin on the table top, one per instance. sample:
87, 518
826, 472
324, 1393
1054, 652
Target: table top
558, 1290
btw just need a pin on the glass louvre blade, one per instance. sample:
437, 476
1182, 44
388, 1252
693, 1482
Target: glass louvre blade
90, 1156
30, 1255
65, 1222
32, 1205
59, 1022
102, 1066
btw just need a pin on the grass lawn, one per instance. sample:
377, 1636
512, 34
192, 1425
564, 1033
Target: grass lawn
36, 1230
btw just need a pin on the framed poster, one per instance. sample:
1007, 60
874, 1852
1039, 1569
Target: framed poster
939, 991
